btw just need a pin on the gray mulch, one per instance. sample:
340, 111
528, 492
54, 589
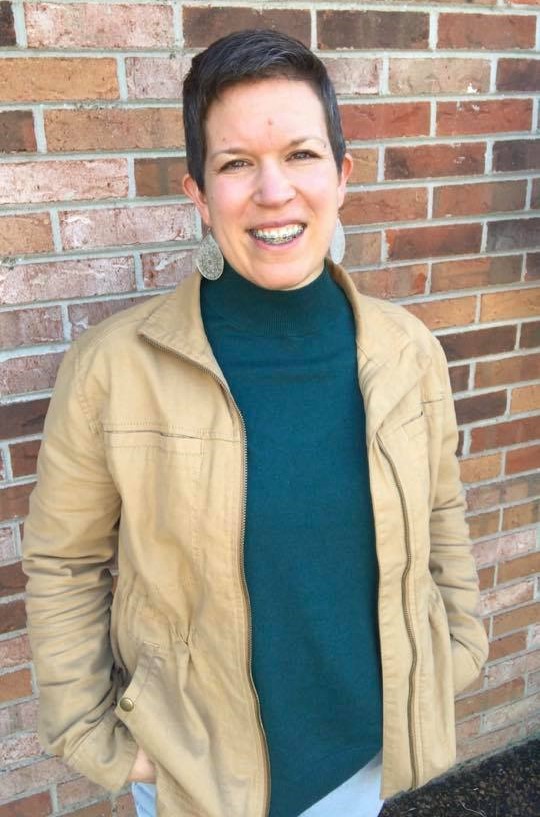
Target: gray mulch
503, 785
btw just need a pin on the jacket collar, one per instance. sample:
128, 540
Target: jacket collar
390, 363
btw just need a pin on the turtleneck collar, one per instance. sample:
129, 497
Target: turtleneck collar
259, 311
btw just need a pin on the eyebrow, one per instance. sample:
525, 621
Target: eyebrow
293, 143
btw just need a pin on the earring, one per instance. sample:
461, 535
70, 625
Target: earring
337, 245
209, 258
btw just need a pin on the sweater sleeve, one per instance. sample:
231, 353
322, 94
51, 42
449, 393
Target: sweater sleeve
451, 561
69, 543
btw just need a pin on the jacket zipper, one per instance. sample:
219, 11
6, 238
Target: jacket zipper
264, 743
407, 616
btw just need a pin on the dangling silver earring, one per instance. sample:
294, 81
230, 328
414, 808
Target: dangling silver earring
209, 258
337, 245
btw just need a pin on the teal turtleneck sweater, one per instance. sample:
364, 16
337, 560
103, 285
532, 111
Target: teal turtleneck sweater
289, 358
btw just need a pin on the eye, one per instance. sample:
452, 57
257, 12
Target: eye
234, 164
303, 154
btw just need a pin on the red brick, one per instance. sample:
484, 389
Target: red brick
204, 24
125, 806
503, 491
8, 545
66, 279
514, 234
504, 546
23, 457
516, 154
467, 729
38, 805
87, 25
459, 378
160, 177
535, 195
372, 29
7, 27
483, 116
376, 206
478, 342
33, 373
502, 598
19, 748
438, 76
486, 577
14, 501
88, 314
506, 370
426, 242
530, 335
27, 182
507, 645
41, 79
440, 314
475, 469
354, 76
38, 775
523, 459
77, 791
490, 698
12, 579
18, 717
519, 516
25, 234
512, 432
14, 651
17, 131
493, 32
156, 77
114, 129
526, 398
13, 614
133, 225
385, 120
392, 282
488, 744
365, 162
470, 199
18, 419
516, 619
166, 269
428, 161
480, 407
475, 272
517, 568
521, 711
25, 327
362, 249
518, 75
14, 685
483, 524
515, 303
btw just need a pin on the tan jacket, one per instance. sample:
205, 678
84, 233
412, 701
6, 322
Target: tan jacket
144, 456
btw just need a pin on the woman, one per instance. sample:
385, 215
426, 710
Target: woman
272, 457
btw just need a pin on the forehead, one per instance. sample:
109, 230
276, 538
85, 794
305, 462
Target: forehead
264, 111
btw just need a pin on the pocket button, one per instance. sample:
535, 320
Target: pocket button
126, 704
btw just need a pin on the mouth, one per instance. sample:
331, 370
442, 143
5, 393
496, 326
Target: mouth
274, 236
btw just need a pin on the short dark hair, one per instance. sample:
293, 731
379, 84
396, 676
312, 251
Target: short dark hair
248, 56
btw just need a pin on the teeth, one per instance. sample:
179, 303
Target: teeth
279, 235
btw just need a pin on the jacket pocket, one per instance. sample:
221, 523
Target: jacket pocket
437, 690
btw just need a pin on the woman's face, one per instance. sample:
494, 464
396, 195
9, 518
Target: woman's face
272, 189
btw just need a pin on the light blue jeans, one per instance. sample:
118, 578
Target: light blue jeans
356, 797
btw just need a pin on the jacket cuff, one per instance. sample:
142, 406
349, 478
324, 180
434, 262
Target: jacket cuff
107, 754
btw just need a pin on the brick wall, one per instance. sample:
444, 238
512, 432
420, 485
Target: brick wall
439, 107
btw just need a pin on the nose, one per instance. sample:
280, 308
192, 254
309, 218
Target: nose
273, 187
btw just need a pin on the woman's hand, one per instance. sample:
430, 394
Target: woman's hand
143, 770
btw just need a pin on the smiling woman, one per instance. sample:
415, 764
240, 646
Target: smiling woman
270, 455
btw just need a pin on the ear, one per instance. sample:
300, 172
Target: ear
346, 170
192, 191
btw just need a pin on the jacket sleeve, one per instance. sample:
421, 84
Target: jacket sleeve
69, 542
451, 561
